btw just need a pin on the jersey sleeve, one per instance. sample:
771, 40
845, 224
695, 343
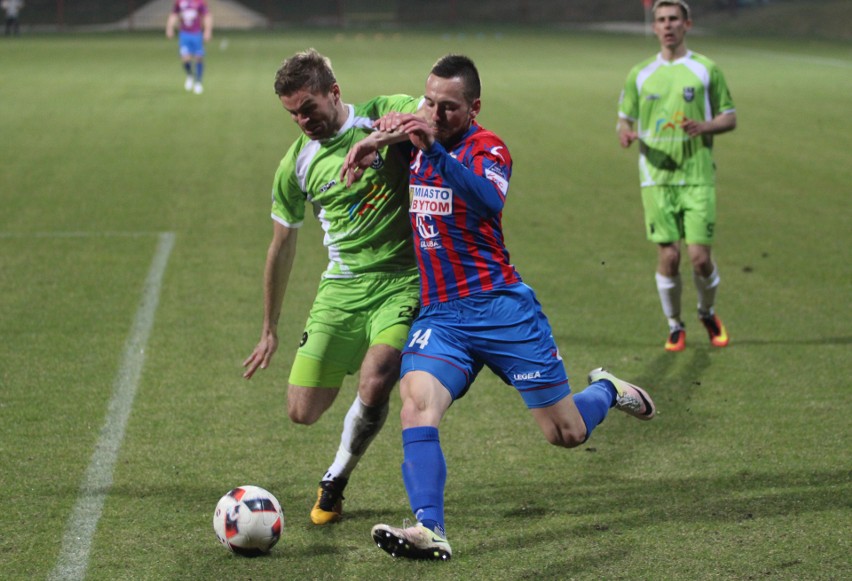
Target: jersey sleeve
628, 103
482, 179
720, 96
288, 199
380, 106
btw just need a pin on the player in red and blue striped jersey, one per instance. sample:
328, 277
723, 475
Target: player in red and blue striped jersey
459, 238
475, 309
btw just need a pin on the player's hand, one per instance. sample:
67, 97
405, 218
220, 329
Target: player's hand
261, 355
358, 159
627, 137
692, 127
419, 130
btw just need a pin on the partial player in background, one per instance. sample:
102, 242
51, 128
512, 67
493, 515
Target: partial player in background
369, 293
475, 309
196, 28
13, 12
673, 104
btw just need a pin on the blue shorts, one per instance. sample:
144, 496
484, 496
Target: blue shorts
191, 43
504, 329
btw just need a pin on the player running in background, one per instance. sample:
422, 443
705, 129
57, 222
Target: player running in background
369, 293
475, 310
196, 28
673, 104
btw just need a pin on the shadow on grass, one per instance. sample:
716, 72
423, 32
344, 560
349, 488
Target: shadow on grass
700, 500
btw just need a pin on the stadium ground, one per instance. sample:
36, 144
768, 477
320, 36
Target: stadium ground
114, 175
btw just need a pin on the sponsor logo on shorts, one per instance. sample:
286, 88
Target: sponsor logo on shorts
304, 339
527, 376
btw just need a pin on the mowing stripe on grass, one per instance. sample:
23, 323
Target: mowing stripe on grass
76, 544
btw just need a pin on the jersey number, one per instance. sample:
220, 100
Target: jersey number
420, 338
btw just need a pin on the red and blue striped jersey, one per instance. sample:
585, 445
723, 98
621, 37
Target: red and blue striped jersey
456, 211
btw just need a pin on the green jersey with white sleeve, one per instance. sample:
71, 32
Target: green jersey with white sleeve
367, 228
658, 95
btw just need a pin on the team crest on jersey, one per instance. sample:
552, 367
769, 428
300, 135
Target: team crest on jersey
688, 94
431, 200
378, 163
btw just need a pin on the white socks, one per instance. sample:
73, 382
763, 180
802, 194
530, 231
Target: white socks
669, 289
360, 427
706, 288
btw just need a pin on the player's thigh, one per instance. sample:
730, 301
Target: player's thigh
663, 214
439, 346
392, 303
516, 342
699, 203
335, 338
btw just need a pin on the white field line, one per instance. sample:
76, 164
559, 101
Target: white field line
77, 542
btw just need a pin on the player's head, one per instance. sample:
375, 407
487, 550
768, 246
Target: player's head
452, 98
671, 23
307, 88
684, 7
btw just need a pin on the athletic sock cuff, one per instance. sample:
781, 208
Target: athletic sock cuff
419, 434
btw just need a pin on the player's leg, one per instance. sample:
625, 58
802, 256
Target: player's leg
437, 368
185, 52
424, 471
699, 228
362, 423
198, 88
664, 227
384, 308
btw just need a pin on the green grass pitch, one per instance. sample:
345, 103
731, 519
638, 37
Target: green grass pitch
745, 475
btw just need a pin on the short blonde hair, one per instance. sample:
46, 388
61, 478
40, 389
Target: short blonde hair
683, 6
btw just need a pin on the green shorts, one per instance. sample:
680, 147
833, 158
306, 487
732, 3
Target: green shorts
348, 317
674, 213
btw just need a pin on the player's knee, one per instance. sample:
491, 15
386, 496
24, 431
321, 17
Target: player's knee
376, 389
566, 436
303, 415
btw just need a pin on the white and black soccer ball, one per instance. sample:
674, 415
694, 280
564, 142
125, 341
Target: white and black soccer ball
248, 520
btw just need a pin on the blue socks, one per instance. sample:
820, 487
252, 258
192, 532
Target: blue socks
199, 70
594, 402
424, 473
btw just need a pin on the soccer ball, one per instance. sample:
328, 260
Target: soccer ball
248, 520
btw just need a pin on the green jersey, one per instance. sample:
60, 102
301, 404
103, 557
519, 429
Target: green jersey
366, 226
658, 95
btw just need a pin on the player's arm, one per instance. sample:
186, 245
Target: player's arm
208, 26
279, 263
170, 25
484, 195
361, 155
721, 123
626, 132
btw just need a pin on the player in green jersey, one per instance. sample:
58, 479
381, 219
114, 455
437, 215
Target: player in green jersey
369, 293
673, 104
